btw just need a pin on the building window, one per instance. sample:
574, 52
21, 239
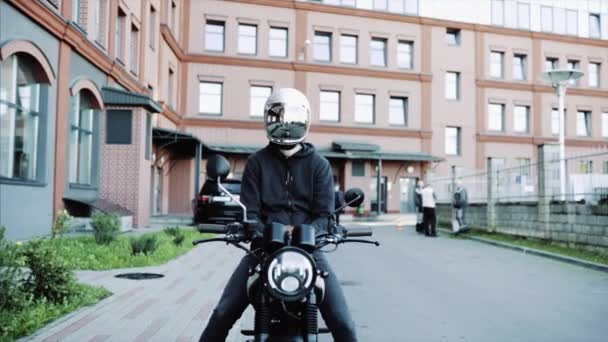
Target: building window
594, 75
585, 166
170, 91
452, 36
277, 46
605, 124
411, 6
257, 99
322, 46
452, 141
573, 65
523, 15
365, 4
521, 116
546, 15
452, 85
329, 109
365, 108
405, 54
76, 7
119, 124
496, 117
497, 64
152, 28
380, 5
377, 49
134, 50
555, 124
81, 139
99, 22
248, 39
519, 67
358, 168
397, 111
348, 49
210, 98
583, 123
396, 6
572, 22
498, 12
214, 35
524, 166
595, 25
551, 63
19, 119
119, 35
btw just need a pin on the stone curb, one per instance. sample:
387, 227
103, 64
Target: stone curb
554, 256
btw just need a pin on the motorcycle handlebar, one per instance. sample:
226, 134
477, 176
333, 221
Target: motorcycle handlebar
212, 228
359, 232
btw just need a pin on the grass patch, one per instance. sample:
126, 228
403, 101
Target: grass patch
83, 252
544, 245
39, 312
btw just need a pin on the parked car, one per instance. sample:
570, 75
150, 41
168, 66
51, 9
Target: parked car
214, 206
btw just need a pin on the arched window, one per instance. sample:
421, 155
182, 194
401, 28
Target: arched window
19, 117
83, 130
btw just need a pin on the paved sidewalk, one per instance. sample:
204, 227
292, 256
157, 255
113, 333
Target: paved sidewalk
173, 308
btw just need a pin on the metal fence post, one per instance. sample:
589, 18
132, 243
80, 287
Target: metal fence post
452, 191
544, 200
490, 207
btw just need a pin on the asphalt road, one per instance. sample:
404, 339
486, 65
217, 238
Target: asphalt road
414, 288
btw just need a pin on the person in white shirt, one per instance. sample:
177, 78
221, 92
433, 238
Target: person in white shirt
428, 207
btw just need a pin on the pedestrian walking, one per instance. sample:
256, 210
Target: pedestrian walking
418, 204
428, 204
460, 202
339, 201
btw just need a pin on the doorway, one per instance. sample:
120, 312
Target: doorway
407, 187
157, 190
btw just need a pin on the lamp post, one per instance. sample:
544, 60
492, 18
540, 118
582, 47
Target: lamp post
559, 79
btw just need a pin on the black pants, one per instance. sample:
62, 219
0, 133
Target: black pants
429, 221
234, 301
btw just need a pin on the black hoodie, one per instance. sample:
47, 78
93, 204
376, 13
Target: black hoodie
295, 190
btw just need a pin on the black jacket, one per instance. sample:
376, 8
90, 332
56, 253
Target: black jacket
295, 190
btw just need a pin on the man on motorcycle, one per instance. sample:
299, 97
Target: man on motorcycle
290, 183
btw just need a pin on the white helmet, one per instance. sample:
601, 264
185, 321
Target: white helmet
287, 117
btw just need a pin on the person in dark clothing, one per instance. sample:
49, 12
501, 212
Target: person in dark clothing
290, 183
460, 203
418, 204
338, 200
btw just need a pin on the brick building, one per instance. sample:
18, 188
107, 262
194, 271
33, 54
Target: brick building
128, 97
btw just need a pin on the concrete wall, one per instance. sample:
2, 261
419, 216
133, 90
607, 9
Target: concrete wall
568, 223
26, 210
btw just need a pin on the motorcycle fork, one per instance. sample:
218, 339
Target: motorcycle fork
310, 316
262, 319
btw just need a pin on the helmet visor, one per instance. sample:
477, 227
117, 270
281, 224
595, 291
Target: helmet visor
287, 124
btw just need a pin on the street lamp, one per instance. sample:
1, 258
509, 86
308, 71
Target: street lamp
559, 79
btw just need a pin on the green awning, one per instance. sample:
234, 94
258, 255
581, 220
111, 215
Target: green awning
182, 144
118, 97
354, 146
328, 152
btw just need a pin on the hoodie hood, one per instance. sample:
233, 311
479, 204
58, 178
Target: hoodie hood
306, 150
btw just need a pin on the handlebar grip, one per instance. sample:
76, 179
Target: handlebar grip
358, 231
212, 228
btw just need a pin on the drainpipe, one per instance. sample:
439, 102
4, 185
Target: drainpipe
378, 190
197, 169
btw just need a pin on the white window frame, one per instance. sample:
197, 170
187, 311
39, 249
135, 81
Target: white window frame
245, 38
572, 27
543, 15
583, 127
594, 75
208, 33
452, 95
393, 112
520, 67
405, 50
605, 124
276, 40
500, 68
456, 33
344, 46
491, 126
359, 99
521, 23
373, 49
326, 106
206, 93
592, 30
452, 132
258, 94
318, 45
80, 168
497, 18
520, 126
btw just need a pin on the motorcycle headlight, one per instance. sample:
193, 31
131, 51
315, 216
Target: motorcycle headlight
290, 274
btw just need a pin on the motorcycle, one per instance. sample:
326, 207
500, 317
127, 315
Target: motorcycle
286, 286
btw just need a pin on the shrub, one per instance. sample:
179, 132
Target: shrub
61, 224
145, 244
49, 277
105, 227
11, 295
177, 235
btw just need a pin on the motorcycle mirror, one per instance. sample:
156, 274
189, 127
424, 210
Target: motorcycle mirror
354, 197
218, 167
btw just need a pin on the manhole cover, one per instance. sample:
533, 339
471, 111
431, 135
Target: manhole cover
139, 276
350, 283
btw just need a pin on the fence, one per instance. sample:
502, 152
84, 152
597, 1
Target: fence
527, 199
